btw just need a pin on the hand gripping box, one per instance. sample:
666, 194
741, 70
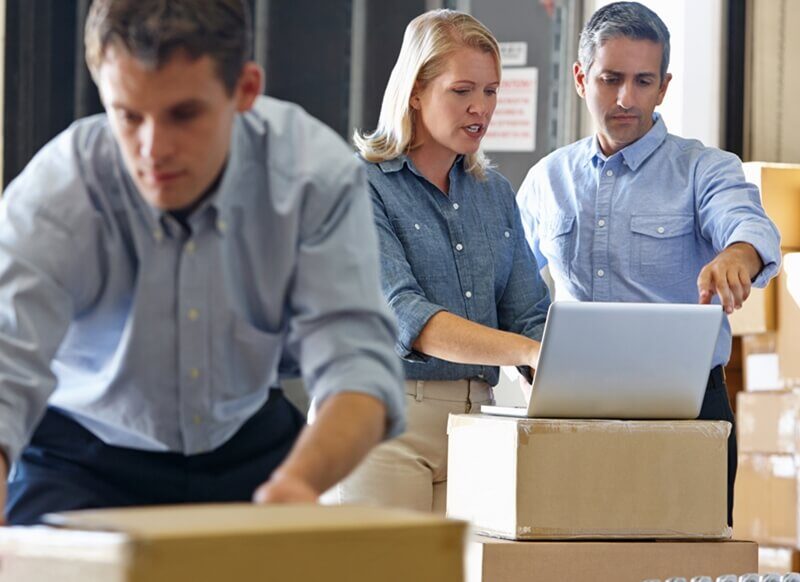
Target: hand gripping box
236, 542
530, 479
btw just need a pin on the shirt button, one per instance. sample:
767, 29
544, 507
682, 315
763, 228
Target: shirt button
601, 223
455, 205
600, 272
197, 419
506, 234
468, 294
158, 235
193, 314
609, 173
222, 226
416, 226
459, 247
190, 247
660, 230
194, 373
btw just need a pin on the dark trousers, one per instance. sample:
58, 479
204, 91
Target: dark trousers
66, 467
716, 406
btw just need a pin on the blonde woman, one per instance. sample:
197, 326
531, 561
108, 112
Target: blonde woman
455, 265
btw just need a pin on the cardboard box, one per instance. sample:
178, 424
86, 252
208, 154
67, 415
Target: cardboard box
788, 332
493, 560
521, 478
780, 195
768, 422
765, 500
778, 560
758, 312
236, 542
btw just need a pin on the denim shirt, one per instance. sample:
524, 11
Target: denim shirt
640, 225
464, 252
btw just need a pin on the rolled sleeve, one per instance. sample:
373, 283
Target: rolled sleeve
401, 289
730, 211
341, 330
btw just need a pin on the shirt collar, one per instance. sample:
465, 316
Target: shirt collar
636, 153
396, 164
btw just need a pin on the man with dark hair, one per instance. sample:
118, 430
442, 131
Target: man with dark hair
157, 261
637, 214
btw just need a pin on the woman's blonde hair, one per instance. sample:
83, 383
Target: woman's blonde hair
429, 39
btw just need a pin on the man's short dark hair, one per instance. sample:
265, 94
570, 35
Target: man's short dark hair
623, 19
152, 30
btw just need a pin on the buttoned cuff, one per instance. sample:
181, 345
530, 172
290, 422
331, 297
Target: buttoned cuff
765, 250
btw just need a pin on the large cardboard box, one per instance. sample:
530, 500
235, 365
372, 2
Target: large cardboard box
780, 196
236, 542
758, 312
768, 421
777, 560
765, 501
493, 560
521, 478
788, 339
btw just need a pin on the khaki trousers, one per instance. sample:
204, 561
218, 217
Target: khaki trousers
410, 471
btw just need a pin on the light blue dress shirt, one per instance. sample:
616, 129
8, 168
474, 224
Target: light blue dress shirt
160, 339
641, 224
464, 252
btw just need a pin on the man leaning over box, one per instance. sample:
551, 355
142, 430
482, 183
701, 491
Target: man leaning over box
637, 214
155, 264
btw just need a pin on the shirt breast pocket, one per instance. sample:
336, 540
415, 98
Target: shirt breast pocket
660, 248
428, 254
501, 241
557, 244
251, 366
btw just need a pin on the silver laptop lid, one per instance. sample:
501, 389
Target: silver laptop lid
625, 360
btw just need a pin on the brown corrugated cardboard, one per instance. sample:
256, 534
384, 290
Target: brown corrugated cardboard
768, 421
493, 560
562, 479
236, 542
765, 508
788, 339
757, 314
780, 195
778, 560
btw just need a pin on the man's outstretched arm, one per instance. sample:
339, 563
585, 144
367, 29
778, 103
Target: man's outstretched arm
347, 426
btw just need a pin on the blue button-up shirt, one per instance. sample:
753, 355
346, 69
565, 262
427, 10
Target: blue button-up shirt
464, 252
641, 224
156, 338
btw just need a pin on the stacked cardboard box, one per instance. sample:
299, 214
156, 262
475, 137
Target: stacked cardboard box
617, 483
236, 542
768, 479
772, 314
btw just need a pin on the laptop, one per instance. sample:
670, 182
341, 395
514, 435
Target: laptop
622, 360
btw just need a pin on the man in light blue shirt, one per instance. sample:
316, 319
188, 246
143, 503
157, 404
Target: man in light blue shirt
157, 261
636, 214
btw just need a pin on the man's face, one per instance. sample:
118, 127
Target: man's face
622, 89
173, 124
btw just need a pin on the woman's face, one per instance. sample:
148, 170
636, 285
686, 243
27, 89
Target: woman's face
453, 111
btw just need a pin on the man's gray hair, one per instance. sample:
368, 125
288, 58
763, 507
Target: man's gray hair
623, 19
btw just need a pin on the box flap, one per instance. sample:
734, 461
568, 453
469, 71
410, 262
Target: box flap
195, 521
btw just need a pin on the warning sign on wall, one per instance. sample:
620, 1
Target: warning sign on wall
513, 127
